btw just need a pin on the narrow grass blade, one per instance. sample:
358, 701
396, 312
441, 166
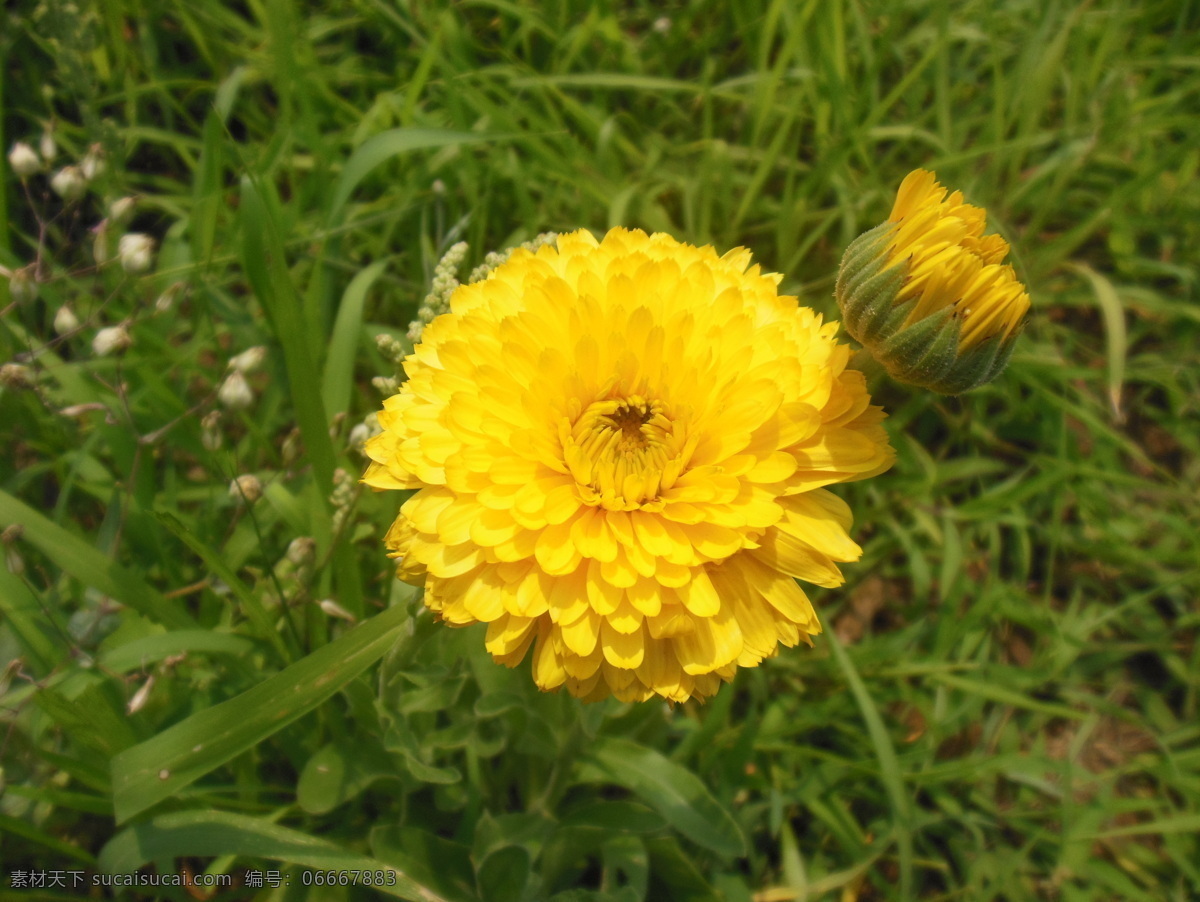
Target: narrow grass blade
151, 649
250, 602
158, 768
889, 766
266, 267
90, 566
214, 833
378, 150
347, 329
1115, 338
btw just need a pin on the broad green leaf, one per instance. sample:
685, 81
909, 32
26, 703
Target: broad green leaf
429, 859
90, 566
502, 876
670, 789
158, 768
152, 649
619, 816
338, 773
212, 833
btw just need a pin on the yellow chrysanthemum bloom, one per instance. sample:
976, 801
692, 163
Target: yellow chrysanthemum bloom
927, 294
619, 449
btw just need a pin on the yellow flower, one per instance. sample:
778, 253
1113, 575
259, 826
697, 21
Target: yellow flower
619, 449
926, 292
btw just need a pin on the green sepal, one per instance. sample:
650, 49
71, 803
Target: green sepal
866, 286
973, 369
924, 352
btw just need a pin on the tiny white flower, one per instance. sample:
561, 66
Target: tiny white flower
249, 360
65, 320
662, 25
111, 340
235, 392
136, 252
246, 487
24, 160
69, 183
121, 209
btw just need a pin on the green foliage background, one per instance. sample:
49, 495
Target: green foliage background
1004, 703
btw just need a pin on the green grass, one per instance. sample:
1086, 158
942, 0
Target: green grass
1010, 710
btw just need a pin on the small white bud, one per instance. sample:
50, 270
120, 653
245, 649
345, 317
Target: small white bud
65, 320
13, 561
24, 160
333, 609
69, 183
139, 698
210, 430
292, 447
15, 376
438, 187
22, 284
301, 550
47, 146
92, 163
359, 435
136, 252
166, 300
249, 360
121, 209
100, 243
235, 392
246, 486
111, 340
662, 25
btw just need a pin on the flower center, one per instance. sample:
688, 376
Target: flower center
622, 452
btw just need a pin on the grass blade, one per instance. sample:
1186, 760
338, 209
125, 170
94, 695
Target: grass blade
156, 769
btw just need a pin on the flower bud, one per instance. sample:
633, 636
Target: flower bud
301, 550
22, 284
65, 320
166, 300
210, 430
15, 376
24, 160
333, 609
249, 360
926, 294
47, 147
246, 487
100, 243
111, 340
136, 251
235, 392
68, 183
92, 163
121, 210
